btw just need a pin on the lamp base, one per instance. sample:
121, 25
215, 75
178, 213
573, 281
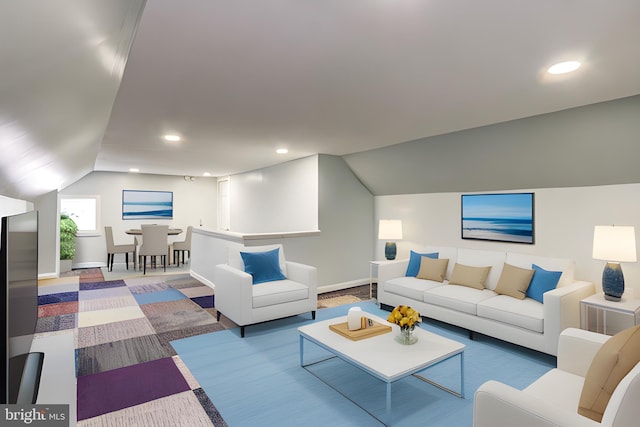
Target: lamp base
612, 281
390, 250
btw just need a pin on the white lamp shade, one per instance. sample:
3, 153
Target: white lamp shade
614, 243
390, 229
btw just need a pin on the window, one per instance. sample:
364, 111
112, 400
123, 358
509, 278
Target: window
85, 211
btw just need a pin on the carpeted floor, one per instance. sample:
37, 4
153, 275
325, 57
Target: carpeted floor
127, 371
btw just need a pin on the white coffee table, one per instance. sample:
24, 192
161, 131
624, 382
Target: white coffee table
383, 357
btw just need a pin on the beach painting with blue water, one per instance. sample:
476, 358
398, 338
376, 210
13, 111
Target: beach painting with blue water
138, 204
506, 217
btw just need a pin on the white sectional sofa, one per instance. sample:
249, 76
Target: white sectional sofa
526, 322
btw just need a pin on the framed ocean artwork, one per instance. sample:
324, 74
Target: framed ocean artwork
504, 217
137, 204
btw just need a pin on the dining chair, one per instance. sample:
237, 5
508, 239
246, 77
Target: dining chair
182, 247
113, 249
154, 244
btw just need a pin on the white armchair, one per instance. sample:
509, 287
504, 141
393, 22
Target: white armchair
553, 399
245, 303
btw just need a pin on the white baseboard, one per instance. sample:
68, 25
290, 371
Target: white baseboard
91, 265
202, 279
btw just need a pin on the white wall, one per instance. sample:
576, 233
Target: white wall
564, 221
194, 203
48, 235
276, 199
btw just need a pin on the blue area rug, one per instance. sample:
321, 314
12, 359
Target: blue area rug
258, 381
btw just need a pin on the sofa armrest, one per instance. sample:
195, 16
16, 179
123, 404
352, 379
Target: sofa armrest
577, 348
562, 310
233, 293
391, 269
304, 274
499, 405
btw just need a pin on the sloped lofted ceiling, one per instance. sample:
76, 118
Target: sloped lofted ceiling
62, 62
238, 79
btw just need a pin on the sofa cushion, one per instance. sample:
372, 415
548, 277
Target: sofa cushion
263, 266
235, 259
482, 258
524, 313
617, 356
282, 291
558, 387
466, 275
459, 298
565, 265
433, 269
409, 287
542, 282
514, 281
414, 262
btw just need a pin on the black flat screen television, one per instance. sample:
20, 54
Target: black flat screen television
19, 299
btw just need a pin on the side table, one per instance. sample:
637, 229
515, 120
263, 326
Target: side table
373, 273
609, 317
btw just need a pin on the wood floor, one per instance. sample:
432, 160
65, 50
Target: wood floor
361, 292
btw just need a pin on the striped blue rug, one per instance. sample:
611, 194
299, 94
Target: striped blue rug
258, 381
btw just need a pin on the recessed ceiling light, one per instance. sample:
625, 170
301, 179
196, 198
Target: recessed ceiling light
564, 67
134, 170
172, 138
206, 174
282, 151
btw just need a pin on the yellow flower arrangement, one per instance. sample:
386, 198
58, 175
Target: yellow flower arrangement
405, 317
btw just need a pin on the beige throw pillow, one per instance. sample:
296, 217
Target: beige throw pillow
433, 269
514, 281
610, 365
467, 275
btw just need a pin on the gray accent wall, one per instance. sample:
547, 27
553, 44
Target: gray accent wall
346, 212
593, 145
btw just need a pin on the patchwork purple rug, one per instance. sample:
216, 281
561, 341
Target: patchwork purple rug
129, 386
127, 364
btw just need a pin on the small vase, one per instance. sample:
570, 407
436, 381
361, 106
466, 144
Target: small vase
406, 336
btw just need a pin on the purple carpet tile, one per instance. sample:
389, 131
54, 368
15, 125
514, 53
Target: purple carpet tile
57, 298
121, 388
101, 285
204, 302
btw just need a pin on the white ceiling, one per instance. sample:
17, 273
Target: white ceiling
238, 79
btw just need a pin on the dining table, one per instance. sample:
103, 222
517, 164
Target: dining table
138, 231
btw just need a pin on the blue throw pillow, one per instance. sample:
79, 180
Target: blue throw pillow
542, 282
263, 266
414, 262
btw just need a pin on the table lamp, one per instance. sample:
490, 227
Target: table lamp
390, 229
614, 244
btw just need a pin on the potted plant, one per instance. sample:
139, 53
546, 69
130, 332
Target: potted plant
68, 230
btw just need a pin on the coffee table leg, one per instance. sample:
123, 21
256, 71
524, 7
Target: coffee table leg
301, 351
388, 404
462, 375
